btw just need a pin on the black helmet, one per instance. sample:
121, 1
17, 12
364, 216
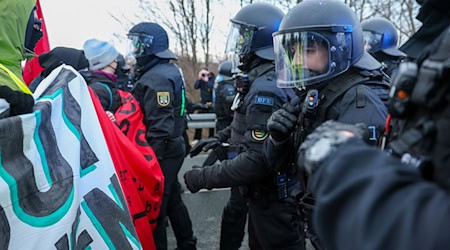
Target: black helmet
326, 29
251, 30
148, 38
381, 34
225, 68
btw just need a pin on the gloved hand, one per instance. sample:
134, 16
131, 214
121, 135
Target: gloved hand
194, 179
205, 145
282, 122
19, 102
324, 140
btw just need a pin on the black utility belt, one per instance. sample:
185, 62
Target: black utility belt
283, 188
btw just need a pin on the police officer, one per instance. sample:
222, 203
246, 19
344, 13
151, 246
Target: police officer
223, 95
224, 92
125, 75
273, 222
320, 51
159, 90
381, 38
399, 200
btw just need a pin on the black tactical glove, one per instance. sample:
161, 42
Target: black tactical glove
204, 145
194, 179
324, 140
19, 102
282, 122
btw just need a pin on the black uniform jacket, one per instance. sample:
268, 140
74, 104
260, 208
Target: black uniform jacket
368, 200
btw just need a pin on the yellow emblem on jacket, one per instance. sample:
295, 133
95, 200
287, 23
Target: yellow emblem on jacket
163, 98
259, 135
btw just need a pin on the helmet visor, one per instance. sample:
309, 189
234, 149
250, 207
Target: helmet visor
239, 39
139, 44
372, 41
303, 58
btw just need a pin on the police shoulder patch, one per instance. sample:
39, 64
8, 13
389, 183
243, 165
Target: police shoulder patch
163, 98
259, 135
264, 100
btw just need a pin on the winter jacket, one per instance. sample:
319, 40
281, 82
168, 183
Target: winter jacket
13, 18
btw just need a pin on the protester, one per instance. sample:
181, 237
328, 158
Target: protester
56, 57
102, 77
19, 32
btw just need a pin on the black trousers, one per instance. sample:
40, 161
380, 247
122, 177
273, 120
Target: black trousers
277, 224
198, 133
172, 205
234, 218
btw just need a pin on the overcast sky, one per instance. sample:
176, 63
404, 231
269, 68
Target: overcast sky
71, 22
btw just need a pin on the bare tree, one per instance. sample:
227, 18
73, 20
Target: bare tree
190, 23
205, 31
401, 13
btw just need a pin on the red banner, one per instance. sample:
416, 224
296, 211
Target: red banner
32, 67
141, 177
129, 117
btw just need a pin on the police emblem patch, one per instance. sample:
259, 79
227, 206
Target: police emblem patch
259, 135
163, 98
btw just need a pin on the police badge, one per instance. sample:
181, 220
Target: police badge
259, 135
163, 98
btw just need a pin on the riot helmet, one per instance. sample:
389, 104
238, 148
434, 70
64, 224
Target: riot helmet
251, 32
318, 40
149, 39
380, 34
225, 68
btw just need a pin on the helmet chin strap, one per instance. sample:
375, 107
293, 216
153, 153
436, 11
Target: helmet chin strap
248, 61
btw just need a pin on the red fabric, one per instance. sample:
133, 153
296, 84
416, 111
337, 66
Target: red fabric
141, 177
32, 67
129, 116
